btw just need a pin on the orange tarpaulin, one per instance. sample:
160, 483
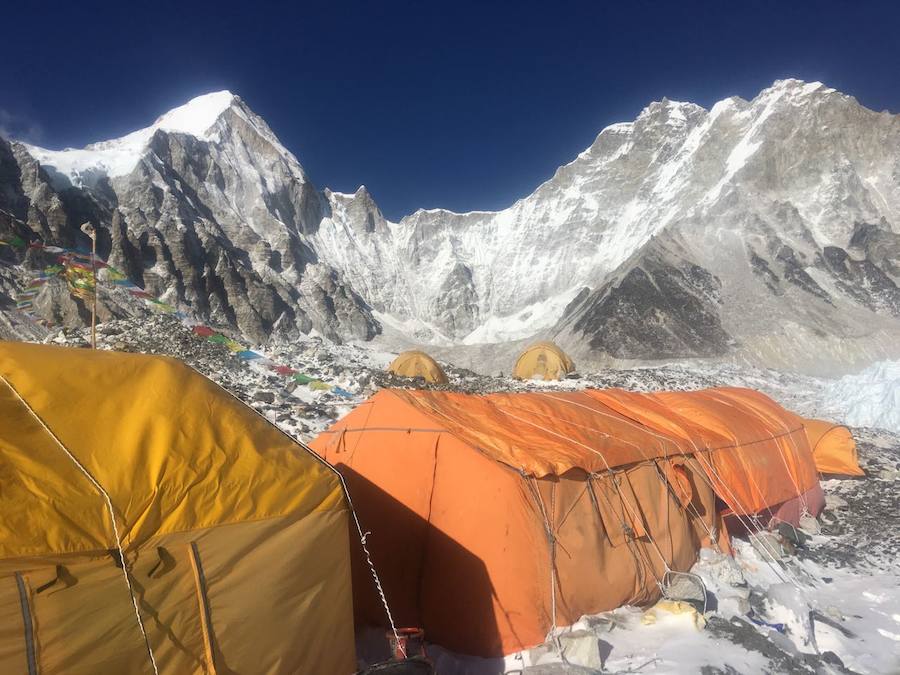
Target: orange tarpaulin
479, 505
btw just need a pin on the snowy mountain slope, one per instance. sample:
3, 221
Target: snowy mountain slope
769, 197
459, 270
796, 233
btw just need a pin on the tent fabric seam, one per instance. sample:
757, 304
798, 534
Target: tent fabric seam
28, 624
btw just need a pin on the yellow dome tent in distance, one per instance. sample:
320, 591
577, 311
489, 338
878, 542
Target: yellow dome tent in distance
543, 361
415, 363
234, 537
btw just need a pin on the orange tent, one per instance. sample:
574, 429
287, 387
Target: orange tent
496, 517
833, 448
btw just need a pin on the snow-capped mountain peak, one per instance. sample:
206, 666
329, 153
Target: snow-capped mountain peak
118, 157
197, 115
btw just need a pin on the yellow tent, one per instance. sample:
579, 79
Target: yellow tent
543, 361
418, 364
234, 537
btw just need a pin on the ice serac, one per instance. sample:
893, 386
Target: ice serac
206, 209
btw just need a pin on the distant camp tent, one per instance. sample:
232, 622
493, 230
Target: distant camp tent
496, 517
234, 537
414, 363
833, 448
543, 361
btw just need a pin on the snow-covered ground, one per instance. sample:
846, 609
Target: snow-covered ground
829, 603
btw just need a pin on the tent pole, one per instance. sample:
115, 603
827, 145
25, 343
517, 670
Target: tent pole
89, 230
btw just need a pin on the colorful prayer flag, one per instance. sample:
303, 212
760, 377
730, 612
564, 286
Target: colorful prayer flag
114, 275
81, 282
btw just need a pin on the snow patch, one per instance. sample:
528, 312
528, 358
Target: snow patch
526, 322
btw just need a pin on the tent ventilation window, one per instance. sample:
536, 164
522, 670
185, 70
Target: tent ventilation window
29, 625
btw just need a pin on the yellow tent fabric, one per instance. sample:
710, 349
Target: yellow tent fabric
834, 449
414, 363
543, 361
235, 536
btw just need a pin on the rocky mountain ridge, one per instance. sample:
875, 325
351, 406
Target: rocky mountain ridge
766, 229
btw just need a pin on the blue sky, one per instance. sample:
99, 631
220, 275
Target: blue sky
463, 105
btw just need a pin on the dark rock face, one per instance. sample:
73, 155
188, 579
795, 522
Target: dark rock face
879, 245
762, 269
793, 271
863, 280
457, 305
659, 308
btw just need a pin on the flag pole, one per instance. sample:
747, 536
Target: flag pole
88, 229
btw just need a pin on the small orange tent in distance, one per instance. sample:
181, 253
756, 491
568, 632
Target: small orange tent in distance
543, 361
414, 363
234, 537
833, 448
496, 517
